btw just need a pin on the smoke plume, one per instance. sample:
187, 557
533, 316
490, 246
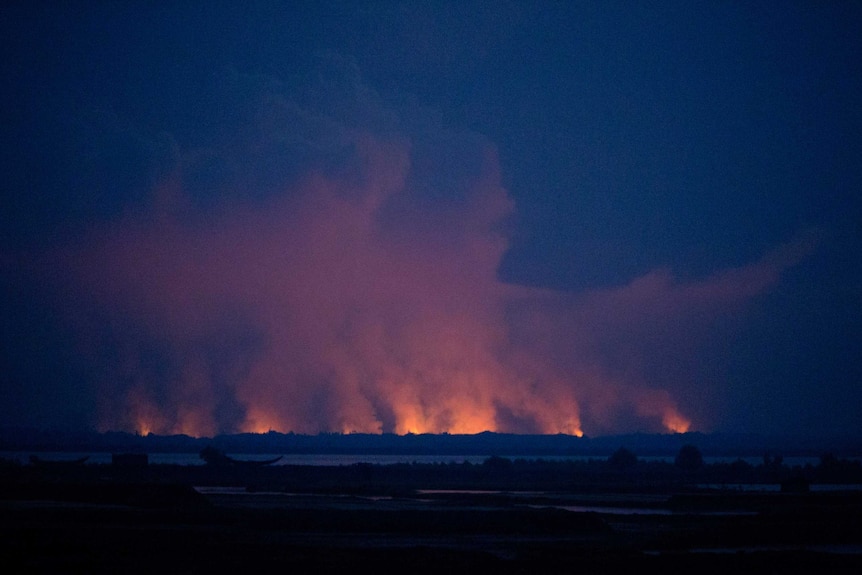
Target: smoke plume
343, 277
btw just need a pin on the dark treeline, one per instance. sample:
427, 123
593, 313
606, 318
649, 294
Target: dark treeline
621, 471
490, 444
636, 475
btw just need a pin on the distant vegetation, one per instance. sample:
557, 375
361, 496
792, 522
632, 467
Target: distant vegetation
621, 470
512, 460
487, 444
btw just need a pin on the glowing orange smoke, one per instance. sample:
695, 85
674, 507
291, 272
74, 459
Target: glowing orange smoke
322, 311
674, 422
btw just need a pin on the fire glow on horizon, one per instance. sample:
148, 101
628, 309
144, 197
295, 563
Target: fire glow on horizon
347, 305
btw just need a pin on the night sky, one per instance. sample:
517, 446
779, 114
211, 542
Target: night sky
530, 217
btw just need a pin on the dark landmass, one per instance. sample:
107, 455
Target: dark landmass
506, 515
488, 443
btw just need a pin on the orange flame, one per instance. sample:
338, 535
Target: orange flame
675, 422
471, 407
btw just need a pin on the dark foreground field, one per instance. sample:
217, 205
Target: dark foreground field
410, 519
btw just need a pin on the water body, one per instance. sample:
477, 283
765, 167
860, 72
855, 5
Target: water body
351, 459
23, 457
242, 497
640, 510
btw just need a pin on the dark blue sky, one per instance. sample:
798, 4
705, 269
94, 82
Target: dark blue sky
676, 185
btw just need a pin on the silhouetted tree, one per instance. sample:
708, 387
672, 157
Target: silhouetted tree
689, 458
772, 461
498, 464
740, 467
828, 462
831, 468
622, 458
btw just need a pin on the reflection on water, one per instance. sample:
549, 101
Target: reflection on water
849, 549
639, 510
313, 459
240, 496
102, 458
776, 487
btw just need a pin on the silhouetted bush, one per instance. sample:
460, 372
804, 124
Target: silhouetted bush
622, 458
689, 458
